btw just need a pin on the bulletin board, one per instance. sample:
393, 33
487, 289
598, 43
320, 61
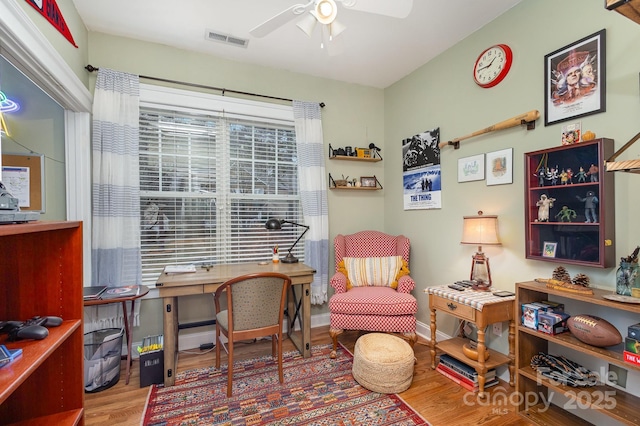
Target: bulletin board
23, 176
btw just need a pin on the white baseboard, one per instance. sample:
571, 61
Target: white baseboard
193, 341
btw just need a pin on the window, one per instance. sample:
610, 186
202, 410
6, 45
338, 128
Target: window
209, 180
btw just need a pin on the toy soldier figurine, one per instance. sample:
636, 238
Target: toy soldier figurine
590, 202
593, 173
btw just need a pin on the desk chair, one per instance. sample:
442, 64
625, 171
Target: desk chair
255, 308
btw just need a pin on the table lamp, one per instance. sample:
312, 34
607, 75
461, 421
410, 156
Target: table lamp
480, 230
277, 224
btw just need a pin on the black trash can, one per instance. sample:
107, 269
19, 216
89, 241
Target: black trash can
102, 354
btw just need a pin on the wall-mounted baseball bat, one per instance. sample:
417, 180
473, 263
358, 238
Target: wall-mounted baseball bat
527, 117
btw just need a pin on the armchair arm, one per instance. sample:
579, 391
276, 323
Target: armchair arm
405, 284
339, 282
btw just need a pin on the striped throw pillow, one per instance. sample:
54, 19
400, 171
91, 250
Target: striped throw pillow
373, 271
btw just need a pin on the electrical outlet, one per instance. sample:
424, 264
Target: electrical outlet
497, 329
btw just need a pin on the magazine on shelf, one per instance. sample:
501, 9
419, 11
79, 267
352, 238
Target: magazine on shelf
116, 292
463, 381
93, 292
464, 369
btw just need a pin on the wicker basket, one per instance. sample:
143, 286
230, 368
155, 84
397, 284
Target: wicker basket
341, 182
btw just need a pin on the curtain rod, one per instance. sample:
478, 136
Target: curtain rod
91, 68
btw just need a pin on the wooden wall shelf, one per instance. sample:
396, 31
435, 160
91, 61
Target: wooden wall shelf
347, 158
628, 8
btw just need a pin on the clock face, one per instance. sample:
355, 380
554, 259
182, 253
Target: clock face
492, 66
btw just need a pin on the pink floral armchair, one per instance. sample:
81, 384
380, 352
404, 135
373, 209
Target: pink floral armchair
371, 308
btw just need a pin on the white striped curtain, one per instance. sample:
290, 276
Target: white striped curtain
313, 194
115, 251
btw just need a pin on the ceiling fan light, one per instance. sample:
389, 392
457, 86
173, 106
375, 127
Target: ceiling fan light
307, 24
326, 11
335, 29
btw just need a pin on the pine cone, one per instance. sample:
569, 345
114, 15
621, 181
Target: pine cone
561, 274
581, 279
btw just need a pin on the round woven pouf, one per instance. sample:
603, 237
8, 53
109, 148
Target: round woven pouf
383, 363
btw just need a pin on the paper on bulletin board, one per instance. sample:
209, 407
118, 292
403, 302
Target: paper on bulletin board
16, 180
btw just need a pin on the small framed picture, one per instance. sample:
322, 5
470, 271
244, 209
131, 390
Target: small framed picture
500, 167
571, 133
549, 249
367, 181
471, 168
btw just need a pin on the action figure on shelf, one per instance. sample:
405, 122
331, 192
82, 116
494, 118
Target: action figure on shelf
581, 175
553, 175
590, 202
593, 173
564, 177
569, 176
544, 204
566, 214
541, 175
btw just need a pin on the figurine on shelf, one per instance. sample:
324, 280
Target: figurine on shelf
540, 174
553, 175
566, 214
544, 204
590, 202
564, 177
581, 175
569, 176
593, 173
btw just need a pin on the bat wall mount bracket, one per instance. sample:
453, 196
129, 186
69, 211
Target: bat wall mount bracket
530, 124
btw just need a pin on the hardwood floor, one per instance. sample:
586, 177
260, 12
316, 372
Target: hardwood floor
436, 398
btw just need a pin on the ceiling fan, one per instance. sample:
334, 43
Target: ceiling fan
325, 12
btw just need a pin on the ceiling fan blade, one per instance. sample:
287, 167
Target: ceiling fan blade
393, 8
280, 19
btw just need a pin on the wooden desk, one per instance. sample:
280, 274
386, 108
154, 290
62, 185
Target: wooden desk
488, 311
172, 286
137, 292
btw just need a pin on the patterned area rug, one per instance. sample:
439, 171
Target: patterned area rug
316, 391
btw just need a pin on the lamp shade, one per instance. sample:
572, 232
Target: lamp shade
307, 23
480, 230
273, 224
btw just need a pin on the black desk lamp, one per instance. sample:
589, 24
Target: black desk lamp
277, 224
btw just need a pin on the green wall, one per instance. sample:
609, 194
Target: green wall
439, 94
443, 94
75, 57
353, 115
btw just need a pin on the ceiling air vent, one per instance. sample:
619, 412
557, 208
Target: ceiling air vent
226, 38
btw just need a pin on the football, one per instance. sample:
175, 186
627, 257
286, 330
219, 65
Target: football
594, 330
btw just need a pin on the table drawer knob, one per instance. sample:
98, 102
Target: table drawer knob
452, 306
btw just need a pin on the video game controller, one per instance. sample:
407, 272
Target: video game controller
34, 328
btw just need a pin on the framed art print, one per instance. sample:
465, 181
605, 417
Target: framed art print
574, 80
500, 167
471, 168
549, 249
368, 181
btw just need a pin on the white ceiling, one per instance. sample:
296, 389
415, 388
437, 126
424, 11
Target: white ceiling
374, 50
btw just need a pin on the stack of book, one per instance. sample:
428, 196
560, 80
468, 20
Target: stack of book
463, 374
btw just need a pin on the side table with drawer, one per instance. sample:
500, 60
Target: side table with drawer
480, 308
